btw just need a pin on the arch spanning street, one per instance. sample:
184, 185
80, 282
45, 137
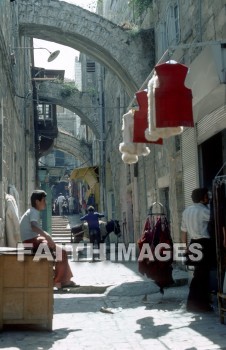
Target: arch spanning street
126, 53
69, 144
73, 100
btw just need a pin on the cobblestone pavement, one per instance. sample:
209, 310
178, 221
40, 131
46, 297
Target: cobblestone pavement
117, 308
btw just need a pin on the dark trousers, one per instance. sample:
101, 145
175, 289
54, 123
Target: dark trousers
94, 236
199, 291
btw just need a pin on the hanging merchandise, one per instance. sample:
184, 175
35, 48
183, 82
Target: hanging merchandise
130, 150
169, 102
156, 234
173, 101
141, 119
219, 206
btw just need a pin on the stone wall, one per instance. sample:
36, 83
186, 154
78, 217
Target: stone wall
16, 116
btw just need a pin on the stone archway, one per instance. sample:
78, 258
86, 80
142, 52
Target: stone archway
127, 54
69, 144
76, 101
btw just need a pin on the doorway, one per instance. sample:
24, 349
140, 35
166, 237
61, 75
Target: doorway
211, 159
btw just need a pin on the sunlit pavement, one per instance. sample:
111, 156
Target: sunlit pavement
117, 308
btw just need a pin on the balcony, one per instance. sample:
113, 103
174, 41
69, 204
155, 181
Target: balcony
44, 113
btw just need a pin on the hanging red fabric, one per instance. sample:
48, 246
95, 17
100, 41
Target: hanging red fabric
173, 101
154, 233
141, 119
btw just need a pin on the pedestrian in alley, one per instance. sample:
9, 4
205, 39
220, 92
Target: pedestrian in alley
71, 204
194, 230
60, 201
31, 232
92, 219
65, 209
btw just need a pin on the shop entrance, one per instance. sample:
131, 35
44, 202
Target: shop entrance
212, 158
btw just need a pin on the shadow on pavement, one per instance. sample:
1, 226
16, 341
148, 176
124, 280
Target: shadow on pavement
162, 326
31, 338
149, 330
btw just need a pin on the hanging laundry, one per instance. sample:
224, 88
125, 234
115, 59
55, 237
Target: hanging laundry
156, 231
130, 150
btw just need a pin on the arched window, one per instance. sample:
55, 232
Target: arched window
168, 30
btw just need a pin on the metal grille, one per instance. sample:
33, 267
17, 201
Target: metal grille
189, 163
211, 124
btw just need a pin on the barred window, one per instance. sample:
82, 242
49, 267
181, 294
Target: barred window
90, 67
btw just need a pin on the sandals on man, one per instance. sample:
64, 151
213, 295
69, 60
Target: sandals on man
71, 284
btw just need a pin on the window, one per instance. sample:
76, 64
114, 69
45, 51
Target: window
173, 31
177, 143
90, 67
44, 112
168, 30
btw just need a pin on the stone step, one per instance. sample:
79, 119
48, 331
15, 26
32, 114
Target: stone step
57, 234
59, 218
60, 223
61, 232
60, 229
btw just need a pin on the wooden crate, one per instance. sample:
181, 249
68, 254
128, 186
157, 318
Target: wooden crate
26, 291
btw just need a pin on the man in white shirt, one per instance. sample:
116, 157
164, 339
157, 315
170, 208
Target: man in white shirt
60, 201
32, 232
194, 230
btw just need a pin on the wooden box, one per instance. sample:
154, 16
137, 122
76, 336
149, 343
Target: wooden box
26, 290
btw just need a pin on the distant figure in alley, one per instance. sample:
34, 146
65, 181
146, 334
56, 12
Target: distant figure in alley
60, 201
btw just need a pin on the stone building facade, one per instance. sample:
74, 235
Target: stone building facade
17, 149
192, 33
126, 47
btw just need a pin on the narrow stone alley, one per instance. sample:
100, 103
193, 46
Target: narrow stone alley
117, 308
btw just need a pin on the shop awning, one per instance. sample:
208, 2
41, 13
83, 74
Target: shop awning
91, 177
88, 174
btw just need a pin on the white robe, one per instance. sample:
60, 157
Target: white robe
152, 133
12, 221
130, 150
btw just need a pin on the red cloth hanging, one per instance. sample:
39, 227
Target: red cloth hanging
141, 119
153, 234
173, 101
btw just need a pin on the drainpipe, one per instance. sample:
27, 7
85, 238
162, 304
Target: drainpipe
102, 150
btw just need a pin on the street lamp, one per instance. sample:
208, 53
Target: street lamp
52, 55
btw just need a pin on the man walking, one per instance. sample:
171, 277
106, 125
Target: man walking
60, 201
